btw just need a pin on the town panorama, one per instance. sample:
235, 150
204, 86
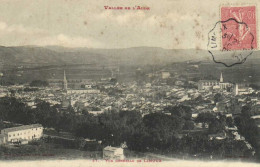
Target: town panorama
115, 110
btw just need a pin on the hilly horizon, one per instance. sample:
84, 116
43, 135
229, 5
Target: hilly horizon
34, 56
56, 55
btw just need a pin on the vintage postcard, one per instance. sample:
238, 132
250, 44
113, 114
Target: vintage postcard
129, 83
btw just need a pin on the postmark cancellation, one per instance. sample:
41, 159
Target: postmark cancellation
234, 37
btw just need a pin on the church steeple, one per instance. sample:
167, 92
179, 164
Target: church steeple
65, 82
221, 78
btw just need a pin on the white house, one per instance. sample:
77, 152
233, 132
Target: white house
113, 153
81, 91
165, 74
25, 132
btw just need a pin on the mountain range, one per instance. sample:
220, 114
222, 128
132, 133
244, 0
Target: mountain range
57, 55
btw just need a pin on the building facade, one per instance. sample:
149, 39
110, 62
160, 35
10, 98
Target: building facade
113, 153
207, 84
242, 89
214, 84
165, 74
83, 91
25, 132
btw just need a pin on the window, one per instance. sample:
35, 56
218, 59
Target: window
9, 135
13, 134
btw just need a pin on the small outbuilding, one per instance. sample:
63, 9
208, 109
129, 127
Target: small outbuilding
113, 153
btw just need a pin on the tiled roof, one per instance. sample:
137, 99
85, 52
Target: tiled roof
208, 81
24, 127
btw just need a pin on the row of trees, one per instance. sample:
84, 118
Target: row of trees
112, 128
156, 132
39, 83
16, 111
247, 126
216, 122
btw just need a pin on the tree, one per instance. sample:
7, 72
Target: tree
88, 127
205, 117
113, 81
30, 89
39, 83
121, 124
188, 125
235, 107
216, 126
1, 124
199, 99
161, 126
112, 128
46, 115
230, 121
15, 111
248, 128
139, 141
246, 111
218, 97
180, 111
222, 119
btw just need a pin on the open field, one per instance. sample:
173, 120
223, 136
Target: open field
45, 151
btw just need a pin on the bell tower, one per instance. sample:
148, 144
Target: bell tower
65, 82
221, 78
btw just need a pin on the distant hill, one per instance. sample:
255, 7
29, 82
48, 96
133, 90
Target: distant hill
56, 55
138, 55
29, 55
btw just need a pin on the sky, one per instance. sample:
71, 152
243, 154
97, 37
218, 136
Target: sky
170, 24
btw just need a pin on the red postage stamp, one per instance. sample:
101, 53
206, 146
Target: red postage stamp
238, 28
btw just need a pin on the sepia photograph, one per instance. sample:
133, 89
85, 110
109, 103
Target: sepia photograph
129, 83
